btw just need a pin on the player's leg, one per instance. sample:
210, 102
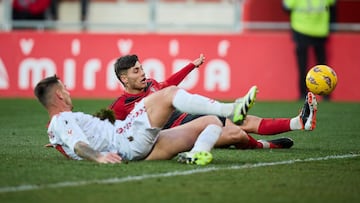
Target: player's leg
231, 135
266, 126
306, 120
200, 153
161, 104
147, 141
234, 135
185, 138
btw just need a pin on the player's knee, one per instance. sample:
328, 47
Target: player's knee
217, 121
236, 135
251, 124
171, 90
164, 97
212, 120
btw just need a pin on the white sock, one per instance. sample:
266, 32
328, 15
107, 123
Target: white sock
207, 138
295, 123
197, 104
265, 144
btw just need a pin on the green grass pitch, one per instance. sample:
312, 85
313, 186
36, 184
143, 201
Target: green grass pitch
322, 166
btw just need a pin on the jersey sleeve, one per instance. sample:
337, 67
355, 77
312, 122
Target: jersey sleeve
179, 76
66, 132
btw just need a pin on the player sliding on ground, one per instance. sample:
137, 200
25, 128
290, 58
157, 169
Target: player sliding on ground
130, 73
139, 136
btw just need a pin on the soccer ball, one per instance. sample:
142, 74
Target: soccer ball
321, 80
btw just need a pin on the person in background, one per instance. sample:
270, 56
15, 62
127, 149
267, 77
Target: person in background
310, 25
30, 9
84, 8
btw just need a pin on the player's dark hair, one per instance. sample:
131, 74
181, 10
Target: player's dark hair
43, 88
123, 63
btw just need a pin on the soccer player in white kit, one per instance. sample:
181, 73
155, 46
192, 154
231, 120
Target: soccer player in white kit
82, 136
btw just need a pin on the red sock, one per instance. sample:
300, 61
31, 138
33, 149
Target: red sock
252, 144
268, 145
272, 126
255, 144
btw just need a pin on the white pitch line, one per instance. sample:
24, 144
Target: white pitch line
169, 174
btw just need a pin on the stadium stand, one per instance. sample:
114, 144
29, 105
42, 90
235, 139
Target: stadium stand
186, 15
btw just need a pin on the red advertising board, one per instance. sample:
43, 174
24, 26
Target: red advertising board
84, 61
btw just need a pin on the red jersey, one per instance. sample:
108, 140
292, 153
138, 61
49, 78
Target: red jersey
125, 103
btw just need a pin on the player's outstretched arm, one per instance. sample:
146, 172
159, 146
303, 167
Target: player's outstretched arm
179, 76
85, 151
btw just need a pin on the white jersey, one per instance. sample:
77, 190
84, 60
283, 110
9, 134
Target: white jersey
132, 138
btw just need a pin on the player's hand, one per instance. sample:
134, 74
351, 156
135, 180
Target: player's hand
109, 158
197, 62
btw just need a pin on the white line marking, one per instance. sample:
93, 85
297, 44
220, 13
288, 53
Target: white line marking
169, 174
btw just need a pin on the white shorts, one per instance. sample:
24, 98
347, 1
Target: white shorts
137, 137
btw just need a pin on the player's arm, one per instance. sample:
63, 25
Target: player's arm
86, 152
179, 76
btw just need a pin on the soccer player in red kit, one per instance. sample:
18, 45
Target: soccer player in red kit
140, 136
129, 71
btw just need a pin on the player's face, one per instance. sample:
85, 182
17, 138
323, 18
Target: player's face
66, 95
136, 80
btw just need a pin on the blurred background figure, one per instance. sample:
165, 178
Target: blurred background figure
29, 9
310, 25
84, 5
